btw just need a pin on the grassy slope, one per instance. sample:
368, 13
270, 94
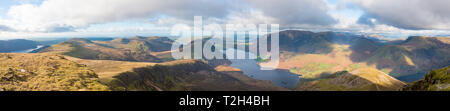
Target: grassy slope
151, 44
435, 80
175, 75
51, 72
45, 72
182, 75
413, 56
107, 69
86, 49
364, 79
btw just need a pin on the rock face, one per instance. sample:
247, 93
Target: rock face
366, 79
435, 80
45, 72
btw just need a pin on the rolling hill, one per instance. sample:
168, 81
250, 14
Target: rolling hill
140, 44
183, 75
96, 50
187, 74
311, 54
52, 72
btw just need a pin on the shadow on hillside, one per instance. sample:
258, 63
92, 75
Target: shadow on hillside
304, 42
427, 54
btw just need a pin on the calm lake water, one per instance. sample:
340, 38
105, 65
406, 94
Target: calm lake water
28, 50
251, 68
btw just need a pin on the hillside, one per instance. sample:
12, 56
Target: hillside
140, 44
414, 56
303, 42
364, 79
107, 69
16, 45
45, 72
50, 72
86, 49
435, 80
174, 76
311, 54
185, 75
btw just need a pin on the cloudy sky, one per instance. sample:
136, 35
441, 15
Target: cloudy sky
97, 18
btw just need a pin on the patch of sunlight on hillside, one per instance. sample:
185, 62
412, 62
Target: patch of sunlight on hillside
378, 77
408, 60
313, 69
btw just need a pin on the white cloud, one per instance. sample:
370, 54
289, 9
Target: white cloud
83, 17
407, 14
69, 15
250, 17
66, 15
288, 12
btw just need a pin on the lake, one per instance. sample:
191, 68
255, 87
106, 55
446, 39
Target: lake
28, 50
251, 68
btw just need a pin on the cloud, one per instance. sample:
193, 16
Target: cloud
66, 15
287, 12
250, 17
69, 15
406, 14
5, 28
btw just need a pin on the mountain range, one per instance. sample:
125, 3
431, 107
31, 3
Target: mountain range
303, 52
326, 61
121, 49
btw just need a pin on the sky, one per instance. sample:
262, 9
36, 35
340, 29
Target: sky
121, 18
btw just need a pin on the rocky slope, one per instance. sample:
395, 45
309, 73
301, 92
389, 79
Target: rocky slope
45, 72
435, 80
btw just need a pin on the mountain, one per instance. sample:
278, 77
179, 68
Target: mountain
104, 50
364, 79
311, 54
16, 45
303, 41
184, 75
52, 72
180, 75
45, 72
435, 80
137, 43
415, 55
